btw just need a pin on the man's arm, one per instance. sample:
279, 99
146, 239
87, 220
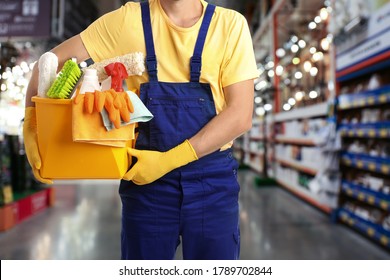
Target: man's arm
71, 48
233, 121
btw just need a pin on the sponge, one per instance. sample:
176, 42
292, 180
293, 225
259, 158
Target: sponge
47, 65
134, 63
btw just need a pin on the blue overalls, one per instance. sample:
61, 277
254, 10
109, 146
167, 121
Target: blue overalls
199, 201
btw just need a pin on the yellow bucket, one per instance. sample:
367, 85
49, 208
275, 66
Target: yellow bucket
64, 159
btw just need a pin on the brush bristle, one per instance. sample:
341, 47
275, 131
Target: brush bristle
66, 80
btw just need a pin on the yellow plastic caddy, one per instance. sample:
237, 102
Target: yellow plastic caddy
62, 158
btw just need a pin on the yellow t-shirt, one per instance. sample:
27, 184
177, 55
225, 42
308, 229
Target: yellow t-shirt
227, 57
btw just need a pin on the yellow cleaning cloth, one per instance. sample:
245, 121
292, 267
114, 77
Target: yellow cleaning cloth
89, 128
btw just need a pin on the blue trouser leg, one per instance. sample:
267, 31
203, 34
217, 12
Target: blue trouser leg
210, 211
150, 220
199, 202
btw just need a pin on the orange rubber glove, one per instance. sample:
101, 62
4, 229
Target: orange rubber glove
152, 165
31, 143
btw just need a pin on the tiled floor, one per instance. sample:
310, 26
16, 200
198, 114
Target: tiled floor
85, 224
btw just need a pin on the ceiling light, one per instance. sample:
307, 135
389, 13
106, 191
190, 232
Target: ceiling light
295, 48
260, 111
299, 95
325, 45
258, 100
287, 107
317, 19
314, 71
260, 85
307, 66
294, 39
296, 60
302, 44
292, 101
318, 56
313, 94
330, 37
271, 73
268, 107
313, 50
324, 13
312, 25
270, 65
298, 75
280, 52
279, 70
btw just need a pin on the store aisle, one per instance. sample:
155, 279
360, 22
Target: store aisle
277, 225
85, 224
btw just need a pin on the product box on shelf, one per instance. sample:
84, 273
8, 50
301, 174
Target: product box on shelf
6, 195
62, 158
25, 206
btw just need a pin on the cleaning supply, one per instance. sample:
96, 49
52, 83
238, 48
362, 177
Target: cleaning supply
31, 143
66, 81
152, 165
141, 113
76, 145
90, 81
117, 72
89, 127
134, 63
90, 87
89, 102
47, 65
117, 105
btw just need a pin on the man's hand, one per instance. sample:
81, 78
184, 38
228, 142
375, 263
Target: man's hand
152, 165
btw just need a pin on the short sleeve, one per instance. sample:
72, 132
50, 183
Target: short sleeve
239, 60
103, 38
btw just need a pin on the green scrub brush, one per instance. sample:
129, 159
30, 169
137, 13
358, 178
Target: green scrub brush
66, 81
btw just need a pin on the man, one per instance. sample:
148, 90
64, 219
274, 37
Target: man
199, 86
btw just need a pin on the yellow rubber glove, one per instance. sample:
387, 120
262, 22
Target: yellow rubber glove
31, 143
152, 165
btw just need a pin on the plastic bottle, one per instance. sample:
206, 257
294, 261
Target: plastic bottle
90, 81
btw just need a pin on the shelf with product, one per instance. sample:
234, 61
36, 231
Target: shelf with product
297, 76
238, 149
379, 130
21, 196
299, 153
367, 221
366, 162
363, 116
260, 136
298, 184
254, 150
369, 189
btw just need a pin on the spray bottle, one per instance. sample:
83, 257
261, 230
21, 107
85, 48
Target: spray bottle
117, 73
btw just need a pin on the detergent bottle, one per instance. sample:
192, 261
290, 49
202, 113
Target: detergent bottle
90, 81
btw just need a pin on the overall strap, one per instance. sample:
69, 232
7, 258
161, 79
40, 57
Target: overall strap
151, 59
196, 60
